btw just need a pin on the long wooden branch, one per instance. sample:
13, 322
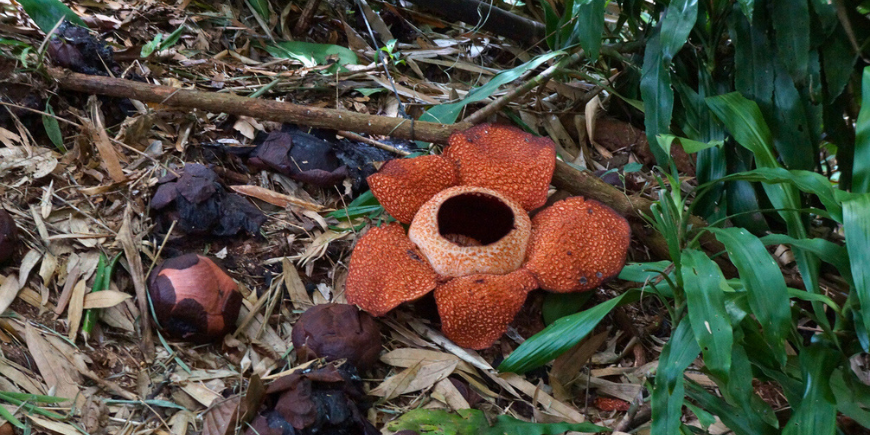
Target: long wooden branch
257, 108
567, 178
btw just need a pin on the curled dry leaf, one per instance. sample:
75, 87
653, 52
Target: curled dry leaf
38, 164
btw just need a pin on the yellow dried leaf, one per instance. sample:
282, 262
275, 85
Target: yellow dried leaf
76, 306
104, 299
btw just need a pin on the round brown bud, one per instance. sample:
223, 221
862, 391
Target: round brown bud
335, 331
8, 236
194, 299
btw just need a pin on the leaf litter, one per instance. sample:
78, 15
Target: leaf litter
117, 189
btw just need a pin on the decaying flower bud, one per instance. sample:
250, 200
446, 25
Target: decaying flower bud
194, 299
335, 331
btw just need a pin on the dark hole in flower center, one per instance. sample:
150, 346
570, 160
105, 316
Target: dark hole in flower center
474, 219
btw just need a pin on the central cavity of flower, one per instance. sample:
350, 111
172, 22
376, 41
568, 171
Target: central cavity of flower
468, 230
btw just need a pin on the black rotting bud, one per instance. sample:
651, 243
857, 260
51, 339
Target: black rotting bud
324, 400
202, 206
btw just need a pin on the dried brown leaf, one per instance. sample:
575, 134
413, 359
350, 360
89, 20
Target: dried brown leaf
104, 299
221, 419
57, 371
76, 306
418, 377
275, 198
8, 292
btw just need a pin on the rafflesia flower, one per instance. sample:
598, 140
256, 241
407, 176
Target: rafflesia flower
470, 237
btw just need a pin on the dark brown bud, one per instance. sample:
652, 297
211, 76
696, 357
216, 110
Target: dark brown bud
8, 236
194, 299
335, 331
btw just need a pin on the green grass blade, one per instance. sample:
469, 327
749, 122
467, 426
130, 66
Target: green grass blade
734, 418
861, 169
764, 283
817, 411
805, 181
856, 225
668, 393
703, 283
560, 336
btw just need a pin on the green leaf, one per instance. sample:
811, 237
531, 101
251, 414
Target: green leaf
743, 119
703, 283
861, 170
668, 393
643, 272
733, 417
680, 17
172, 39
474, 422
753, 55
448, 113
560, 336
764, 283
152, 45
790, 123
828, 251
852, 396
805, 181
312, 54
558, 305
856, 226
792, 36
261, 7
590, 26
658, 97
47, 13
52, 128
816, 412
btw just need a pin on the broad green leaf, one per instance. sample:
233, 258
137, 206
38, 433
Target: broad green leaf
753, 55
558, 305
668, 392
861, 169
52, 128
474, 422
703, 283
852, 396
46, 13
817, 411
790, 123
447, 113
828, 251
590, 26
838, 60
312, 54
560, 336
680, 17
792, 36
747, 6
805, 181
658, 97
764, 284
743, 119
856, 226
